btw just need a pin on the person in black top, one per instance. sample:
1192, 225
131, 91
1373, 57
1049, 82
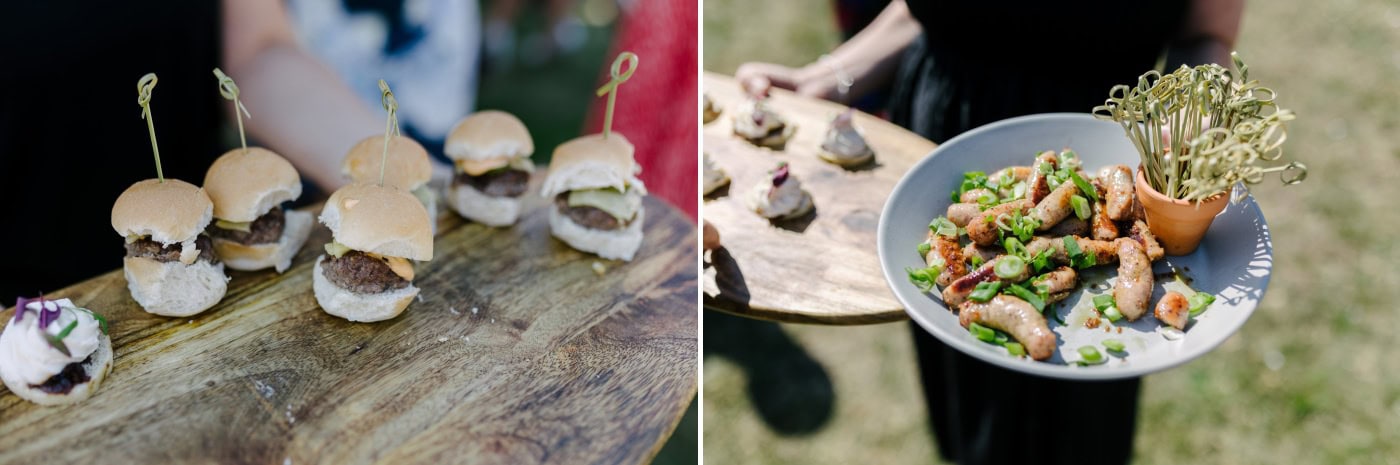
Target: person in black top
954, 66
72, 138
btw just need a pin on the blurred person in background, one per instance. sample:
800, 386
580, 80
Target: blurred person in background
658, 108
428, 51
563, 33
947, 78
71, 134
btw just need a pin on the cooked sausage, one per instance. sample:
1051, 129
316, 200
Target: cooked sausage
971, 196
1058, 282
985, 252
1016, 318
962, 213
1071, 226
983, 229
1134, 287
1105, 252
1103, 228
1143, 236
1173, 309
1019, 173
956, 293
1040, 184
954, 265
1120, 192
1055, 207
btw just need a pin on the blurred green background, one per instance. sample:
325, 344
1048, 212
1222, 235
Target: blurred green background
1310, 377
536, 90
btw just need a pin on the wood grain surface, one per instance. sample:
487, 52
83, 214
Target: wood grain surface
821, 268
517, 353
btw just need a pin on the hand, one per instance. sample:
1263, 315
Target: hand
756, 78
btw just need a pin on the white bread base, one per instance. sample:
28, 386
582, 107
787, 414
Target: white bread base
343, 303
277, 255
614, 245
97, 371
846, 162
482, 208
174, 288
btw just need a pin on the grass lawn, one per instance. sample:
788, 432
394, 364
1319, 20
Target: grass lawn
1308, 378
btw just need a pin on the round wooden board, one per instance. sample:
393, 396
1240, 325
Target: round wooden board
821, 268
518, 352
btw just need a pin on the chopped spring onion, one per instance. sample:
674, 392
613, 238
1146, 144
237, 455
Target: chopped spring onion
1027, 295
955, 196
1114, 345
987, 199
1015, 349
1077, 257
1104, 301
1014, 247
982, 333
1081, 206
943, 227
1084, 186
1018, 191
1091, 354
984, 291
924, 278
1200, 302
1042, 260
1010, 267
1001, 339
1112, 314
924, 247
976, 261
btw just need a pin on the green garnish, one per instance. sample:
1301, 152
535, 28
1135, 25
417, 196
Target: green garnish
1015, 349
1081, 206
1114, 345
1028, 296
101, 320
1009, 267
1084, 186
976, 261
982, 333
943, 227
924, 247
925, 278
1014, 247
984, 291
1200, 302
1112, 314
1041, 261
1077, 257
57, 341
1104, 301
1091, 355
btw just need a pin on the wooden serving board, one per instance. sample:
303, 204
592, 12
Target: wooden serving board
517, 353
821, 268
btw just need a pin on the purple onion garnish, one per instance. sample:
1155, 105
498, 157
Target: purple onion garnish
21, 307
47, 317
781, 175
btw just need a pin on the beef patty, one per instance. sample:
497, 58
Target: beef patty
588, 217
162, 253
497, 183
267, 229
362, 274
71, 376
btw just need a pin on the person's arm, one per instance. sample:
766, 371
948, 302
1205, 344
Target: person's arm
299, 108
871, 58
1208, 35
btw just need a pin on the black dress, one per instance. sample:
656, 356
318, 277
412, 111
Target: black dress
71, 134
979, 62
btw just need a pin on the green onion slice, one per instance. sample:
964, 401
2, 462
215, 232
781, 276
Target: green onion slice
1112, 314
1114, 345
984, 291
1104, 301
1081, 206
1015, 348
1084, 186
1010, 267
1090, 354
982, 333
943, 227
1200, 302
924, 247
1028, 296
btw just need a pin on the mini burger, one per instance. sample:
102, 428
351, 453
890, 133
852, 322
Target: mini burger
597, 196
251, 231
491, 151
406, 168
54, 352
366, 274
170, 266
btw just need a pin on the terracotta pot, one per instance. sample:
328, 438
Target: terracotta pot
1178, 224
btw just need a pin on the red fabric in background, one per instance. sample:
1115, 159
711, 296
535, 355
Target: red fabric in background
658, 108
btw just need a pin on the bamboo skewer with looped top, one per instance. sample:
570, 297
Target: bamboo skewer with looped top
618, 77
144, 86
229, 91
391, 126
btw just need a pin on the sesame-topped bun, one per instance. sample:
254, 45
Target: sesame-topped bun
169, 212
244, 185
407, 166
488, 140
382, 220
591, 162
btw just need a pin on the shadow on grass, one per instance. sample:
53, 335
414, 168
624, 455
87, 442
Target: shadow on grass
790, 390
